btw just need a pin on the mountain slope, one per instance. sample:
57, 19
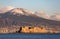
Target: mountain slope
9, 19
21, 11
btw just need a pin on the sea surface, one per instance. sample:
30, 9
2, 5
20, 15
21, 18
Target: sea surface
29, 36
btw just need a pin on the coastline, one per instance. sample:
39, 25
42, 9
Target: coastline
27, 30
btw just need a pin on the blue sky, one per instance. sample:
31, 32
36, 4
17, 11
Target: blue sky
49, 6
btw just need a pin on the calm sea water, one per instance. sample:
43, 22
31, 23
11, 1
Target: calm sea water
29, 36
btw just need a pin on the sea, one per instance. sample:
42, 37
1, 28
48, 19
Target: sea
29, 36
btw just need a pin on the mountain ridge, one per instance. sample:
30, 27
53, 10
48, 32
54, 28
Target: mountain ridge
9, 19
20, 17
22, 11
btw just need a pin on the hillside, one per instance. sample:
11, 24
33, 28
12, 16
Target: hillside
21, 17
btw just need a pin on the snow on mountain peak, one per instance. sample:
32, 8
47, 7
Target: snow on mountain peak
21, 11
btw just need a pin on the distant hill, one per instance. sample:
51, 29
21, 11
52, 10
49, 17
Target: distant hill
20, 17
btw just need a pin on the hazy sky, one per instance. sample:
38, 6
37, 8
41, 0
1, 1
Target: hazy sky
49, 6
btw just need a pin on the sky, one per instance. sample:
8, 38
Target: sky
49, 6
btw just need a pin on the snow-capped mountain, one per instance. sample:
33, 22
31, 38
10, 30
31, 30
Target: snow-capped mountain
20, 16
21, 11
26, 12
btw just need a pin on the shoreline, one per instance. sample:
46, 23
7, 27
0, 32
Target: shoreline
28, 30
30, 33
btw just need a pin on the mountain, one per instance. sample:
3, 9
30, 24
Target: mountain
21, 11
20, 17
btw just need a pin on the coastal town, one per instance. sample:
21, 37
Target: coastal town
28, 29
